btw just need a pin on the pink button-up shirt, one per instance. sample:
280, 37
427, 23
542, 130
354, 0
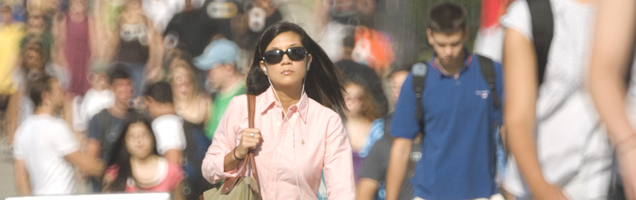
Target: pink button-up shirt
321, 142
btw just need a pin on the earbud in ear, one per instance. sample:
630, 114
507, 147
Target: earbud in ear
308, 66
265, 70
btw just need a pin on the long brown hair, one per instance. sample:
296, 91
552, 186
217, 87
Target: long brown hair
369, 108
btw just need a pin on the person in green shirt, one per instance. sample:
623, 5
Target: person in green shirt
219, 60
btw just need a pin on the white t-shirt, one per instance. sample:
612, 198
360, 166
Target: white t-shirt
332, 40
169, 133
162, 11
41, 142
569, 136
93, 102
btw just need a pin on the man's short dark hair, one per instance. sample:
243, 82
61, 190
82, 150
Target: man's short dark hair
349, 41
447, 18
118, 73
160, 91
39, 86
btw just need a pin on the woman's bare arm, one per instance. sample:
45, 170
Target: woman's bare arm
613, 43
521, 91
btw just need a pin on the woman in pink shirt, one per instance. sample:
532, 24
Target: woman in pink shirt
136, 166
299, 133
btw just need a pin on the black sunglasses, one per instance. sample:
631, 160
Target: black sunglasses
275, 56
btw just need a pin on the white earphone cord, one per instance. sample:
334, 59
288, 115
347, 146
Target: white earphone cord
289, 126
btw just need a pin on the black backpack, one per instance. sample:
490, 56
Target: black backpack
542, 32
420, 70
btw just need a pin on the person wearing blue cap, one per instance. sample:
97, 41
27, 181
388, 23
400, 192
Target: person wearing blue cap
219, 60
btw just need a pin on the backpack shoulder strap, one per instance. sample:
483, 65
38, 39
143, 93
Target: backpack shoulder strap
419, 71
489, 74
542, 32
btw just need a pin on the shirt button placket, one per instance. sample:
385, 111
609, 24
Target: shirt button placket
277, 160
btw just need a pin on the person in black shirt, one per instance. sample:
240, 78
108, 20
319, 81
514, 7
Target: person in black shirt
195, 28
104, 128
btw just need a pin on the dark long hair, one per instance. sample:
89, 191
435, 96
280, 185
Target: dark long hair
369, 108
323, 82
121, 157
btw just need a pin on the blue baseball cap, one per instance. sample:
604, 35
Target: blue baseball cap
218, 52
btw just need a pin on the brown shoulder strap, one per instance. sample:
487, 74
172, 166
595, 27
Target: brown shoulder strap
251, 101
249, 159
250, 108
250, 122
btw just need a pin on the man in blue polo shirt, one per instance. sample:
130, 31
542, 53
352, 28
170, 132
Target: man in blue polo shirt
459, 119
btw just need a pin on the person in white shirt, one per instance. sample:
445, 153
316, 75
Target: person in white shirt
45, 149
161, 11
560, 149
96, 99
167, 126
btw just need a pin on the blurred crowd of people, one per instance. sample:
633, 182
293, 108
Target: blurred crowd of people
177, 62
143, 95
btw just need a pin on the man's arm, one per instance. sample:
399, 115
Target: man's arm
86, 164
398, 164
373, 169
520, 112
96, 129
21, 178
366, 189
613, 42
13, 108
176, 192
173, 156
93, 147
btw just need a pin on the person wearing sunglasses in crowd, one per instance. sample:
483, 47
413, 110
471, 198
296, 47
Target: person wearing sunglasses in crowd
298, 131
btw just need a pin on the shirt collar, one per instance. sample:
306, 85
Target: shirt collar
269, 101
468, 59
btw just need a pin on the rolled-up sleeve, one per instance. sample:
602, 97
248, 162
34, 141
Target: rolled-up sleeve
223, 142
338, 162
